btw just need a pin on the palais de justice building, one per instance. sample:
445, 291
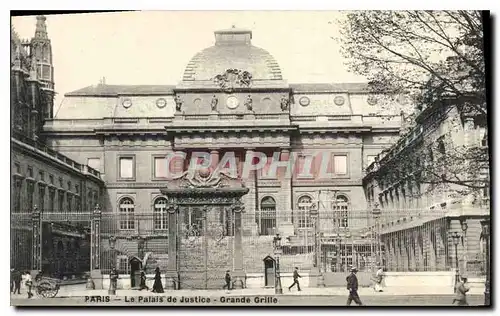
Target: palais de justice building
232, 98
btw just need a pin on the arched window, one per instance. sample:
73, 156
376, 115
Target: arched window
305, 204
127, 213
160, 213
340, 208
266, 216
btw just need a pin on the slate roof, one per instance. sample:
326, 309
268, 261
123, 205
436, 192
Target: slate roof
115, 90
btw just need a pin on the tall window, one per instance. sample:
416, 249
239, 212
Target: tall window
126, 168
122, 264
127, 213
161, 167
266, 216
18, 188
52, 196
305, 204
340, 165
70, 202
340, 209
61, 201
41, 196
160, 213
31, 192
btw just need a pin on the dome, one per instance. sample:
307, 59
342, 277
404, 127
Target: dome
232, 50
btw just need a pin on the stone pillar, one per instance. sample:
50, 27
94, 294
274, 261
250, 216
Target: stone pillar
214, 157
172, 275
37, 241
284, 209
95, 248
239, 275
250, 199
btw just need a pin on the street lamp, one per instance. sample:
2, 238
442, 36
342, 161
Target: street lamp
338, 242
112, 244
277, 251
485, 234
456, 239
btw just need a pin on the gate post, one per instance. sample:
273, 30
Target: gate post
36, 224
172, 275
238, 272
95, 248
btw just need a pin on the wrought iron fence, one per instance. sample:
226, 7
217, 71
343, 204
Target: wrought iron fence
401, 240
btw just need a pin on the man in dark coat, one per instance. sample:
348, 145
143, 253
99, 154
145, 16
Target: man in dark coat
17, 278
296, 277
143, 282
352, 287
227, 278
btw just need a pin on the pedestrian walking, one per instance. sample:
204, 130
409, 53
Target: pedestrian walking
29, 283
379, 277
352, 287
143, 285
227, 278
11, 280
17, 278
461, 290
157, 286
296, 277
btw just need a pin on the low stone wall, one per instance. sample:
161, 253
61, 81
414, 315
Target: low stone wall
338, 279
256, 280
421, 279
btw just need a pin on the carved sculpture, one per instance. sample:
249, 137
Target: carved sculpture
285, 102
204, 178
214, 103
249, 103
232, 78
178, 103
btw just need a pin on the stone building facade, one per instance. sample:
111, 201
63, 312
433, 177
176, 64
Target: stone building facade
418, 213
50, 192
232, 99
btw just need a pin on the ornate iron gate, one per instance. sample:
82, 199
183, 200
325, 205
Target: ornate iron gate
205, 244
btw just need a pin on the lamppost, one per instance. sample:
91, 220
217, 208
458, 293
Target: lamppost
485, 234
112, 244
464, 226
277, 251
376, 215
456, 240
314, 216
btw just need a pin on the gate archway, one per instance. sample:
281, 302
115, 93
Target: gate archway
204, 231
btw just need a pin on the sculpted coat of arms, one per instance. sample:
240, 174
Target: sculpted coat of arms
233, 78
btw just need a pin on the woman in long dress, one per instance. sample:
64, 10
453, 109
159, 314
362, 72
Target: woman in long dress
379, 276
157, 286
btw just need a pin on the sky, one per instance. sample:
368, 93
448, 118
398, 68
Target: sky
154, 47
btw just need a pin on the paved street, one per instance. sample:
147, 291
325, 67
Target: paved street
337, 300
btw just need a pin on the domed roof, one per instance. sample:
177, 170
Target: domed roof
232, 50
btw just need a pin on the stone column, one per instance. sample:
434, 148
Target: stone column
284, 209
95, 248
249, 200
239, 275
172, 275
37, 241
214, 157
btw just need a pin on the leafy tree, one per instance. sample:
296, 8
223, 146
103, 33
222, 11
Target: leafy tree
432, 57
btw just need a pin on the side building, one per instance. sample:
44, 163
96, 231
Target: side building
429, 192
52, 196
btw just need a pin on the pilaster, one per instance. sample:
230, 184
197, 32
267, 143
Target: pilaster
172, 275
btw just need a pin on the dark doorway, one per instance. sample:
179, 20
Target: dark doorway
269, 271
135, 272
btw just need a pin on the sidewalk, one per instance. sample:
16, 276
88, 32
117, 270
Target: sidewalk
414, 291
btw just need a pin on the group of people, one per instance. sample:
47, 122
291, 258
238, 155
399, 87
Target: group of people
157, 285
17, 278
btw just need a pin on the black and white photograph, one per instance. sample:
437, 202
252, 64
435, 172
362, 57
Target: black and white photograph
250, 158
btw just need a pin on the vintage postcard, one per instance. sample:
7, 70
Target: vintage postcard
236, 158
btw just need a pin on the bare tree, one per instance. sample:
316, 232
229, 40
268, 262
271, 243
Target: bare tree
433, 57
428, 55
